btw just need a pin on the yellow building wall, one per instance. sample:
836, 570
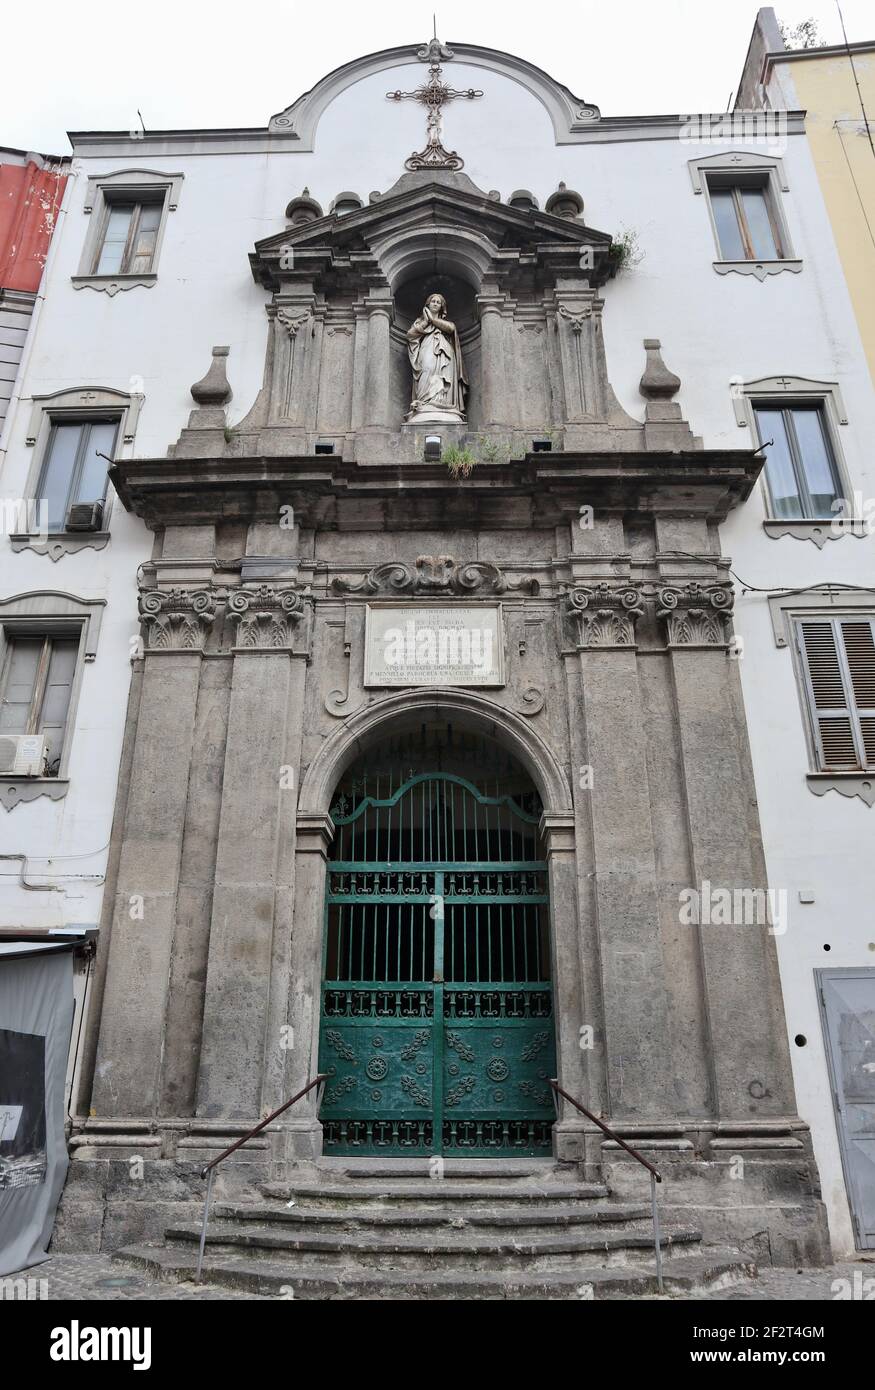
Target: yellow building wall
846, 169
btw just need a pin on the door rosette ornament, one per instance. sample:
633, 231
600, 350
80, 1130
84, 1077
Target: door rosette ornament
498, 1070
696, 615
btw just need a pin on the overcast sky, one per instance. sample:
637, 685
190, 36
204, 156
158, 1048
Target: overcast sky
90, 65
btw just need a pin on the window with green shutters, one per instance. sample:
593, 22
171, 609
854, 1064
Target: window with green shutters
838, 661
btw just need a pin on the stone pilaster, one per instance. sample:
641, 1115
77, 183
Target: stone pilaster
295, 379
574, 321
626, 900
570, 1002
378, 364
246, 946
747, 1038
132, 1035
359, 365
494, 403
312, 841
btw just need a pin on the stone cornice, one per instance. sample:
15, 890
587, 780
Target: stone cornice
329, 491
106, 144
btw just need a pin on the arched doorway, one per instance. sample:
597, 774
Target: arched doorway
437, 1006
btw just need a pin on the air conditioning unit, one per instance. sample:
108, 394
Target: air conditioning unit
22, 755
85, 516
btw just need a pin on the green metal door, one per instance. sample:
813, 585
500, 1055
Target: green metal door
437, 1008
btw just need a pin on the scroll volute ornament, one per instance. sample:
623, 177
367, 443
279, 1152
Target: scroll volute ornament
435, 574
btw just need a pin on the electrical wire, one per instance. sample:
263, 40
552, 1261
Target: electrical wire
856, 79
780, 588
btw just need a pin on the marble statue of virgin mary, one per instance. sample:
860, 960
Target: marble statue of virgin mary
439, 382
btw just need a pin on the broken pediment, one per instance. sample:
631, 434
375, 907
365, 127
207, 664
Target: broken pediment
431, 216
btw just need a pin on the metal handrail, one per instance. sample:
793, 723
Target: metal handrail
655, 1175
208, 1169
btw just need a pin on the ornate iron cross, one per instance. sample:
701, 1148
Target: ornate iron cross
433, 94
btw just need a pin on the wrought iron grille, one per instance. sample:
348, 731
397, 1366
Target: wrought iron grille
437, 1017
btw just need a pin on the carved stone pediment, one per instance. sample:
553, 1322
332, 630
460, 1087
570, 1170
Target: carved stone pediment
348, 246
696, 615
605, 615
435, 574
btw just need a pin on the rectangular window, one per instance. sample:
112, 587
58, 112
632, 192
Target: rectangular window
838, 658
75, 466
801, 472
747, 228
37, 682
129, 237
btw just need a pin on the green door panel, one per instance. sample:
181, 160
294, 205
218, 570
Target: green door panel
437, 1021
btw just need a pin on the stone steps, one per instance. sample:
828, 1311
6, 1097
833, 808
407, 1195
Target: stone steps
432, 1191
450, 1249
536, 1235
495, 1169
407, 1216
683, 1274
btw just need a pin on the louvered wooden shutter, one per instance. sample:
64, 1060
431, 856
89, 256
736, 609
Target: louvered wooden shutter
839, 659
859, 639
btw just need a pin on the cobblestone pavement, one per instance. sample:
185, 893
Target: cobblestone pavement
811, 1284
98, 1277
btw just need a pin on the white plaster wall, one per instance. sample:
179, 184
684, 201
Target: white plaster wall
712, 328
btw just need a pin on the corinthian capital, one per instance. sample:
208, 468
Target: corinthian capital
265, 616
177, 619
605, 614
696, 615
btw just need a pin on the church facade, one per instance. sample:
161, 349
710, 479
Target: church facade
433, 775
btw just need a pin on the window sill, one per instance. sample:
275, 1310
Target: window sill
15, 789
861, 784
758, 268
806, 529
59, 543
111, 284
